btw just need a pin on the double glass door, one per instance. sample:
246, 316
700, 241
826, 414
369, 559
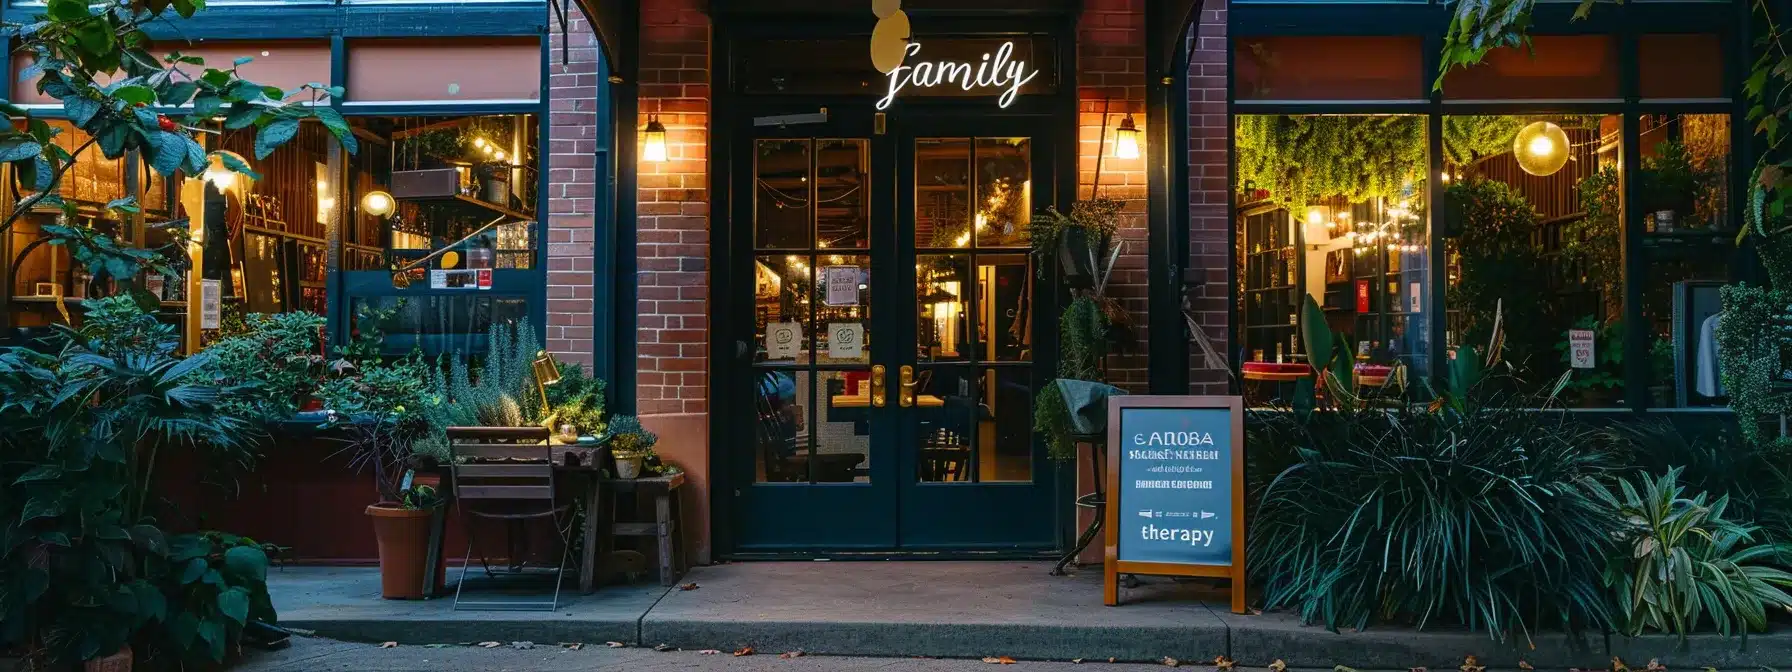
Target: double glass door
887, 342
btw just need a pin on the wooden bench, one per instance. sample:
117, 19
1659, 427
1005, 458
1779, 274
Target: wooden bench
664, 526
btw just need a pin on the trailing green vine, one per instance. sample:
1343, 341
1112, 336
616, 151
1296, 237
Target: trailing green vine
1308, 158
1754, 357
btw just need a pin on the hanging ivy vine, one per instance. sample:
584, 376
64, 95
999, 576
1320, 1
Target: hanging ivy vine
1310, 158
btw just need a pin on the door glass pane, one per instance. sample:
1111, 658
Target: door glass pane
843, 203
942, 302
843, 427
781, 194
1004, 308
843, 309
1004, 191
946, 414
781, 308
1004, 445
942, 192
781, 437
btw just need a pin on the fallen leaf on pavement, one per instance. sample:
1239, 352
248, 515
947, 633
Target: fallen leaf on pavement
440, 646
689, 586
1076, 661
302, 632
1656, 666
744, 651
662, 647
708, 652
791, 654
1223, 664
1001, 660
389, 645
572, 645
490, 645
1171, 662
615, 645
1278, 666
1343, 668
522, 645
1525, 666
1618, 665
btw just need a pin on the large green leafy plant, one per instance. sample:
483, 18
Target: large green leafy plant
281, 355
1687, 563
215, 584
1755, 356
1480, 512
81, 427
1491, 226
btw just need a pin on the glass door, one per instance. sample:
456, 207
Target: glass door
972, 476
819, 474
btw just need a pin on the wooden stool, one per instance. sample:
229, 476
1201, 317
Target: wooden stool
664, 526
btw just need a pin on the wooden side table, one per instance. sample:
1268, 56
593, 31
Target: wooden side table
664, 527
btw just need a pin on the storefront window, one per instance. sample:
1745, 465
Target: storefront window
1533, 225
1688, 245
1553, 67
1332, 208
1308, 68
43, 281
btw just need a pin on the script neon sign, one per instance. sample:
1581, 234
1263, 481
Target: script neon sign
996, 70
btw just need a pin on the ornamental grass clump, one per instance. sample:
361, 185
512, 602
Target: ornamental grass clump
1485, 515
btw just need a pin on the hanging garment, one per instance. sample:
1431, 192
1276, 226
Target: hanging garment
1706, 377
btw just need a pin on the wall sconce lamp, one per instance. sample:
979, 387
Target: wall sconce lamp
1126, 139
378, 203
654, 149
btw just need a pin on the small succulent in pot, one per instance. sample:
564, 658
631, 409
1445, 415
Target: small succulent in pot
631, 445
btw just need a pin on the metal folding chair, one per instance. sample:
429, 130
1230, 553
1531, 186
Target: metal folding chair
498, 479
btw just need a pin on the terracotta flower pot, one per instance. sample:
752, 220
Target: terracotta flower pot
403, 536
117, 662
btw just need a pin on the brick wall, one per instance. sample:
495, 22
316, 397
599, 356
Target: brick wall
673, 242
1111, 83
572, 184
1209, 231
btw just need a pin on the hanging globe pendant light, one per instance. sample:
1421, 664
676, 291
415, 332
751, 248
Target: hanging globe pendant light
1541, 149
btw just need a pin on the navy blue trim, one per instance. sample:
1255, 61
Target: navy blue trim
538, 304
322, 21
443, 109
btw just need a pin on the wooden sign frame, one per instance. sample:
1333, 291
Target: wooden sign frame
1112, 565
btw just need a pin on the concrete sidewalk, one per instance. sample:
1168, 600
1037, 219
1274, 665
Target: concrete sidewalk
953, 610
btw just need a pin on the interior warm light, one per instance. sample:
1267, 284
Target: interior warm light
654, 146
217, 174
479, 143
963, 239
1316, 214
1126, 139
377, 203
501, 155
1541, 148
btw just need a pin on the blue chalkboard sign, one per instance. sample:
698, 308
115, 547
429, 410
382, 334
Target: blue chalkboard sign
1175, 502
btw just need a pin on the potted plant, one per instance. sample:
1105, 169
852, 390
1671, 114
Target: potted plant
631, 445
1079, 239
382, 410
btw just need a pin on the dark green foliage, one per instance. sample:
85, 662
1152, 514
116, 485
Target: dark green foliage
1682, 562
1500, 267
1712, 456
214, 584
628, 436
1590, 244
1489, 518
81, 427
1082, 343
281, 356
1755, 356
1307, 158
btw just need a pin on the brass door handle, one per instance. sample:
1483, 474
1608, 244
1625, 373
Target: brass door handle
905, 395
877, 386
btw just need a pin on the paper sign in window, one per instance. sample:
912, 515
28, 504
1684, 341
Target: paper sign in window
782, 339
843, 285
1580, 348
846, 340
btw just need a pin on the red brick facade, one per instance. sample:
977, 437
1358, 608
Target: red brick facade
1111, 84
572, 188
1210, 232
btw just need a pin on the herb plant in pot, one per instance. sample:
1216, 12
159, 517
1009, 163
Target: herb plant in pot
630, 445
382, 411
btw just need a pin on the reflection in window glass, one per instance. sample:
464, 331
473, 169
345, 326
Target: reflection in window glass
942, 297
1333, 208
842, 197
1533, 223
781, 308
1680, 66
781, 194
1004, 191
1304, 67
1004, 307
1687, 247
942, 192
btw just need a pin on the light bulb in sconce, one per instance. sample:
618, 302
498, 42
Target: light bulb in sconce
377, 203
1126, 139
653, 146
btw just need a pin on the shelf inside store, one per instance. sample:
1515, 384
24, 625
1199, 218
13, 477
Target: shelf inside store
471, 203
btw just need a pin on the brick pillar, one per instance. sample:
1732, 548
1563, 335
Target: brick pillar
1210, 233
572, 184
1111, 79
672, 250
